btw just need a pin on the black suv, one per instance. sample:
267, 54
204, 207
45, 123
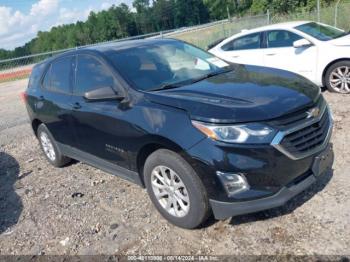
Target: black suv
203, 136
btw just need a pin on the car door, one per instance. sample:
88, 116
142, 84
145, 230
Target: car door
280, 53
54, 103
98, 125
243, 50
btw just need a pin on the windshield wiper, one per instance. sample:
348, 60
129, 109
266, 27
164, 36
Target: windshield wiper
209, 75
165, 86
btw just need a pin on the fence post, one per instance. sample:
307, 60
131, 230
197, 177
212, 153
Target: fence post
318, 11
223, 28
228, 13
268, 16
336, 13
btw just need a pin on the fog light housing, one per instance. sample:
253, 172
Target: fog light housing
233, 183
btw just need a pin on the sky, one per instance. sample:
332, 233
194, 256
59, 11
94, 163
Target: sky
20, 20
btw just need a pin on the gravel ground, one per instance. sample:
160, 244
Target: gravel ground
41, 214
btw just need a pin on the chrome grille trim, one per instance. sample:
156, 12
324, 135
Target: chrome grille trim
276, 142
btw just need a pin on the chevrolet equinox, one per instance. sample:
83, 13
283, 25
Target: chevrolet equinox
201, 135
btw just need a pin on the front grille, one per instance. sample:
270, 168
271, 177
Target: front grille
307, 139
303, 135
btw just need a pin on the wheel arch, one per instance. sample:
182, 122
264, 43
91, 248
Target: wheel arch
147, 149
35, 125
329, 65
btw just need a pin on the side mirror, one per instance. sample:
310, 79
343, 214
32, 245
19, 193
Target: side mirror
302, 43
102, 93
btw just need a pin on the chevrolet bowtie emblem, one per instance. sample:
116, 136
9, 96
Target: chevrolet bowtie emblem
313, 113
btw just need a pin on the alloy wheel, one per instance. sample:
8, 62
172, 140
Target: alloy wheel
340, 79
47, 146
170, 191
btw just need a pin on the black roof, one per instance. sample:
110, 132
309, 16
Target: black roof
112, 46
126, 44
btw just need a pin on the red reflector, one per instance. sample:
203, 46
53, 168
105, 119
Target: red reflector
23, 96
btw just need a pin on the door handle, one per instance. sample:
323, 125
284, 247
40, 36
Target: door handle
235, 56
76, 105
271, 54
41, 98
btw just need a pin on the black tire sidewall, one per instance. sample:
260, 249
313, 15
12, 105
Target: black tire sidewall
199, 204
328, 74
60, 159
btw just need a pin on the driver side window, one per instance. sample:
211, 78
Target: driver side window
91, 74
281, 38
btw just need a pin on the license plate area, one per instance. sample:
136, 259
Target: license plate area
323, 161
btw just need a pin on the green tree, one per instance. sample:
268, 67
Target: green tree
190, 12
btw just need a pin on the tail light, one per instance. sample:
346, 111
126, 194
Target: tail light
24, 97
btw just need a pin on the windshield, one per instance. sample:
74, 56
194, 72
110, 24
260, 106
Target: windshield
165, 64
320, 32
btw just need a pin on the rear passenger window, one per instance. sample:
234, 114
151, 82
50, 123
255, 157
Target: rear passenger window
251, 41
46, 80
91, 74
58, 76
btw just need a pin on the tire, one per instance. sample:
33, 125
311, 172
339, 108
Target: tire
190, 214
50, 148
337, 78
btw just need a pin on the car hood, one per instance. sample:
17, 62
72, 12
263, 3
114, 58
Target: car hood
341, 41
246, 94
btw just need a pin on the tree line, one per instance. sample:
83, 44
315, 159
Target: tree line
150, 16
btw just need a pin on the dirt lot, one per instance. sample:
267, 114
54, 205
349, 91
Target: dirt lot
38, 214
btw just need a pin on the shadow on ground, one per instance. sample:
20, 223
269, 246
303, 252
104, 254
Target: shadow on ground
289, 207
10, 203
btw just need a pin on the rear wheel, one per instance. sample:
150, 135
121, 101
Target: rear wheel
50, 148
175, 189
338, 77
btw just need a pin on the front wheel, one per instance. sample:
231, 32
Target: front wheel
175, 189
338, 77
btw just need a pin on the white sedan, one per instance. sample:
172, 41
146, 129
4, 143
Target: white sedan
316, 51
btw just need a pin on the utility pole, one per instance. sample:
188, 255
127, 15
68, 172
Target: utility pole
318, 11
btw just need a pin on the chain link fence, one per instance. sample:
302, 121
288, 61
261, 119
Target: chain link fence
21, 67
202, 35
337, 15
205, 36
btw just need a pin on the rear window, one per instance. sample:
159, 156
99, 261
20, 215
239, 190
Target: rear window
35, 76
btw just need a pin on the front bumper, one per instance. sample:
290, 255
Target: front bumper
223, 210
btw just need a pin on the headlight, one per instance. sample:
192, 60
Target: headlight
253, 133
